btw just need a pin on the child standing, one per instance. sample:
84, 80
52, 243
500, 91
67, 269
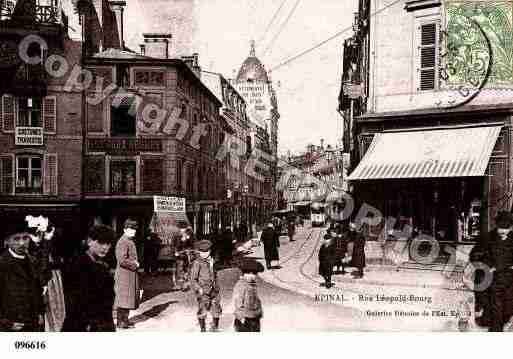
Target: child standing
327, 260
248, 307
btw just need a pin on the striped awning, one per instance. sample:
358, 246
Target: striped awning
456, 152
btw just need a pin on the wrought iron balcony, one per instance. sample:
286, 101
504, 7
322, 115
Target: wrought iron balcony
39, 11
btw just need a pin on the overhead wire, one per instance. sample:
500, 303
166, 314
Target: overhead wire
282, 27
334, 36
271, 22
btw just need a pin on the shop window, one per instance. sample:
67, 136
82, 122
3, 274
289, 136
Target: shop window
29, 174
123, 117
123, 177
29, 112
152, 175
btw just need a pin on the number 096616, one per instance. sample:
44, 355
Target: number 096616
29, 345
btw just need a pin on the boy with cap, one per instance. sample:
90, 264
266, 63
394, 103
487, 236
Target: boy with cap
247, 305
327, 260
204, 283
89, 286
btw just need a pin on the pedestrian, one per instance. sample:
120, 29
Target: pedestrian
482, 307
21, 295
205, 286
43, 248
248, 310
270, 239
291, 229
499, 258
151, 253
183, 245
226, 246
341, 234
89, 286
327, 260
358, 255
126, 276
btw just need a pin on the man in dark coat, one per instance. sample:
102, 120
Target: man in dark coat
478, 255
271, 242
89, 286
226, 246
341, 234
327, 260
358, 256
499, 257
291, 229
21, 293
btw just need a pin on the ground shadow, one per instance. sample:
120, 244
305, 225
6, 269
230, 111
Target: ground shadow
152, 312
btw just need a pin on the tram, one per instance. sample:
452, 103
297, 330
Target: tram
317, 215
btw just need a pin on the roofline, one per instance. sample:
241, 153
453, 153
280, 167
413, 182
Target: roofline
228, 82
151, 61
392, 115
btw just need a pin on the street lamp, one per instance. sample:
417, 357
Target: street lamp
245, 191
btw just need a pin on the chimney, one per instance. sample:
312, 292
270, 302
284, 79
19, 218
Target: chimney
118, 7
157, 45
322, 143
193, 63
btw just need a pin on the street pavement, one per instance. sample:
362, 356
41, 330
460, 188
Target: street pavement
294, 300
384, 300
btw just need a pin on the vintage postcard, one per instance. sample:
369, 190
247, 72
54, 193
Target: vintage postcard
255, 166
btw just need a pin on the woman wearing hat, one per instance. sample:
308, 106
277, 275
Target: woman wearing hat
126, 276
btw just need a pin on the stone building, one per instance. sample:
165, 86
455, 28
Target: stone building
428, 116
40, 137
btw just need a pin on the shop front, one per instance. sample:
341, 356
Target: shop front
438, 182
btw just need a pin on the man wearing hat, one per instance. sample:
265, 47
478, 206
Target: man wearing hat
126, 276
204, 283
21, 294
499, 257
247, 305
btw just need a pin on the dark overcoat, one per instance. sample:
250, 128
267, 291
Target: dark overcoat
358, 256
326, 258
21, 292
271, 243
89, 289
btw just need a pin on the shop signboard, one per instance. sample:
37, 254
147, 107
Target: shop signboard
28, 136
162, 204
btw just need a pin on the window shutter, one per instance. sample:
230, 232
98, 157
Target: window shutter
50, 180
95, 174
50, 114
427, 56
94, 117
498, 186
8, 113
152, 175
7, 172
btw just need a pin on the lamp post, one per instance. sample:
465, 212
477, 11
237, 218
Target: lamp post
245, 191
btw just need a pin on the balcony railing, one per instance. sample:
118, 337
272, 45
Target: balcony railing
50, 13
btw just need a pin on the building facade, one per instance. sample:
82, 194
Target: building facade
427, 116
40, 138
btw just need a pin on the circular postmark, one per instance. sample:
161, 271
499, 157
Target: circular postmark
465, 61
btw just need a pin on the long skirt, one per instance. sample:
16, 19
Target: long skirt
55, 308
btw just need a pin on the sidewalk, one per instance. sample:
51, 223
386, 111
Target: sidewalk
402, 300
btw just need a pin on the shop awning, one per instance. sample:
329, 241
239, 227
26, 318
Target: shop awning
456, 152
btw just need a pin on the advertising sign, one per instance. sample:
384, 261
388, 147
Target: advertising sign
162, 204
29, 136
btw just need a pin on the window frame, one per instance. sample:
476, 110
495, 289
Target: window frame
113, 159
436, 20
30, 157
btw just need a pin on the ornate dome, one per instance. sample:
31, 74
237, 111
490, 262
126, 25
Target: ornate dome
252, 69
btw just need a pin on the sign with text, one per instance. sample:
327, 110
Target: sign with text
162, 204
29, 136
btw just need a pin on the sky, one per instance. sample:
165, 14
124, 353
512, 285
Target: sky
221, 30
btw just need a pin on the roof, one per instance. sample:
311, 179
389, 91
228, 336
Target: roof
119, 54
252, 69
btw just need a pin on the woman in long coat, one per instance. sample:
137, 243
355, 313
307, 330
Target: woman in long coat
271, 243
126, 276
358, 256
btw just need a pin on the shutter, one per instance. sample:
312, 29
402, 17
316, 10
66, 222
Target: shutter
7, 172
50, 175
8, 113
427, 56
94, 117
95, 174
152, 175
50, 114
